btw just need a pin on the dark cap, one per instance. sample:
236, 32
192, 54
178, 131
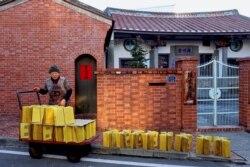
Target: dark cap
54, 68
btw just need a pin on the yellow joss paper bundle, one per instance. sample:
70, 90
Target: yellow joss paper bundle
163, 141
199, 145
69, 115
107, 136
37, 132
207, 140
177, 142
47, 133
120, 139
24, 130
226, 148
59, 116
145, 137
79, 134
49, 115
153, 139
58, 133
68, 134
26, 115
37, 114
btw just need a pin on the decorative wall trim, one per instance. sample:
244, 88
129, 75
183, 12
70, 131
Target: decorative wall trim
138, 71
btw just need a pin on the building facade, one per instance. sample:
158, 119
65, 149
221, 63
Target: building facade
92, 49
168, 36
36, 34
213, 40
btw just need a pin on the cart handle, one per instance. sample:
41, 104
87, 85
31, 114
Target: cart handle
19, 97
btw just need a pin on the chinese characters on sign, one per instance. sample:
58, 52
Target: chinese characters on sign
86, 72
184, 50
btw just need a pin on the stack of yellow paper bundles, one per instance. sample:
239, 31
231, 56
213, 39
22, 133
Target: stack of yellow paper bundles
63, 116
119, 139
203, 144
113, 138
54, 120
222, 147
136, 139
130, 139
26, 117
53, 123
79, 131
153, 137
183, 142
36, 122
166, 140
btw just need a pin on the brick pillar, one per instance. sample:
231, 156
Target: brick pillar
189, 108
244, 93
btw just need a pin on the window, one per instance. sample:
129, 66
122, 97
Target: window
236, 45
163, 61
129, 44
208, 69
204, 58
124, 62
233, 62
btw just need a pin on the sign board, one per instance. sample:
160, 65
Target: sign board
171, 79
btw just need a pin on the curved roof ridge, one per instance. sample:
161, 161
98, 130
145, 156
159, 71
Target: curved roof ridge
111, 11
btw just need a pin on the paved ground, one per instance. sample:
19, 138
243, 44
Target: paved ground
240, 142
9, 132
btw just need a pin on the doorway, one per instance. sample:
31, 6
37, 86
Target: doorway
86, 87
217, 94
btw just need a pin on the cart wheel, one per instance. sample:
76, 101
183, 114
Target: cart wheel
35, 151
86, 149
73, 156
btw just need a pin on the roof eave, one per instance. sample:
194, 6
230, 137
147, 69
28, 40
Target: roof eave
180, 33
89, 8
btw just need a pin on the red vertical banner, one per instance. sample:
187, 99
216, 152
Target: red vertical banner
86, 72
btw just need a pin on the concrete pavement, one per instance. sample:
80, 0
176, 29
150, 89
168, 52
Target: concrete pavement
240, 149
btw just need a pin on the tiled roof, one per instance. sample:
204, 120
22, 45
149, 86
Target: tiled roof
227, 22
88, 8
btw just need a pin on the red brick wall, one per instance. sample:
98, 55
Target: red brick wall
244, 93
37, 34
126, 100
189, 111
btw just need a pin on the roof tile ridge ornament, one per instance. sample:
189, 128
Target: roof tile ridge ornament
118, 11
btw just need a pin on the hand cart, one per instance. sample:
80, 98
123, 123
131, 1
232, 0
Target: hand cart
74, 151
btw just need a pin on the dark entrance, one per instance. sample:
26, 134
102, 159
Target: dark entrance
86, 103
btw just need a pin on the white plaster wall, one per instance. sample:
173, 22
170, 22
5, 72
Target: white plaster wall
202, 49
244, 52
120, 52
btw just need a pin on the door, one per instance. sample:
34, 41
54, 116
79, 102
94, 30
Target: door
86, 101
218, 94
